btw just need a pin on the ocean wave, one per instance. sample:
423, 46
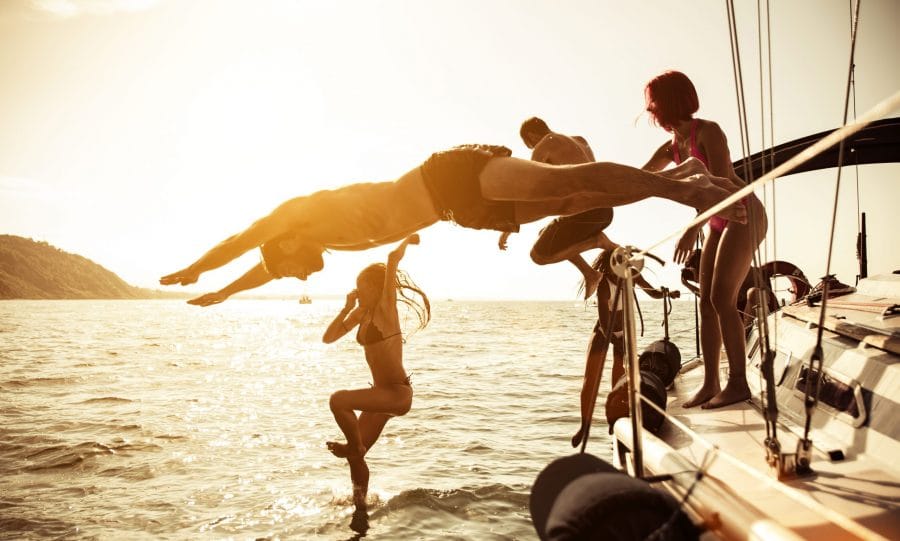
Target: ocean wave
30, 382
39, 528
59, 457
455, 501
105, 400
64, 456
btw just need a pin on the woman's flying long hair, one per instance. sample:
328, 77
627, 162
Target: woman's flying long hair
408, 292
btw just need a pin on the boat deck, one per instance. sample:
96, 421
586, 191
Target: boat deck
860, 488
854, 490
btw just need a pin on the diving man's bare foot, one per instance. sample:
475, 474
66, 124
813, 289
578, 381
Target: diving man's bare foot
709, 190
735, 391
701, 396
690, 166
342, 450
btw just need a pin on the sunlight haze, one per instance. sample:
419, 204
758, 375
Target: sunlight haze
140, 133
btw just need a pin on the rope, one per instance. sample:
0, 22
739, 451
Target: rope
699, 474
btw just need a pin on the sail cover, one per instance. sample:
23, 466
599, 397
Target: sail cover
879, 142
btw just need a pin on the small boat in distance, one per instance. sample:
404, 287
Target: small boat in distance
305, 299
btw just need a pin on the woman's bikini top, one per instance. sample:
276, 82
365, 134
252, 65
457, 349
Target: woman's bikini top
695, 150
369, 334
715, 222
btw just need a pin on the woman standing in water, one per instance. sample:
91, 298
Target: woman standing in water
672, 101
372, 307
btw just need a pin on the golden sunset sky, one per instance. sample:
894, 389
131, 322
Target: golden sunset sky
140, 133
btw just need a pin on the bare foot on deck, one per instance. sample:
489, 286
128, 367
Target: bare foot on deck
701, 397
734, 392
342, 450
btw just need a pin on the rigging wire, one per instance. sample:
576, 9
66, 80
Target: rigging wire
762, 108
771, 131
770, 411
810, 400
859, 232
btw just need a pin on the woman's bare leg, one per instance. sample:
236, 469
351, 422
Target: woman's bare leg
572, 254
598, 184
359, 476
370, 427
710, 336
377, 404
733, 259
593, 371
390, 400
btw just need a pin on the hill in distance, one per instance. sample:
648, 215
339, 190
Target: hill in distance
36, 270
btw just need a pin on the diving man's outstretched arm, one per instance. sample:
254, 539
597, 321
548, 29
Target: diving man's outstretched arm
230, 248
253, 278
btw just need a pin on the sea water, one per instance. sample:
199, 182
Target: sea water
160, 420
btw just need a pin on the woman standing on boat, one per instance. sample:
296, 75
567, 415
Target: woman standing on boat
372, 307
672, 101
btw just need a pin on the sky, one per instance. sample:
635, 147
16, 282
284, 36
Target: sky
139, 133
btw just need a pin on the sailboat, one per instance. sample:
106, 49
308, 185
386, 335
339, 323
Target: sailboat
812, 455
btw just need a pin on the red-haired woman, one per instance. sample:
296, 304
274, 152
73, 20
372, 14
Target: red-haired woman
672, 101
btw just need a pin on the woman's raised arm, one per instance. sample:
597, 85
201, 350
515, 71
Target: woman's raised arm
344, 322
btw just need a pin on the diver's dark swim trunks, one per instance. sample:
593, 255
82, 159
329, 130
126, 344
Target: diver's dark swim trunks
566, 231
451, 177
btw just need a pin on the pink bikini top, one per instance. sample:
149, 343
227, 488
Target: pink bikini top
695, 150
715, 222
